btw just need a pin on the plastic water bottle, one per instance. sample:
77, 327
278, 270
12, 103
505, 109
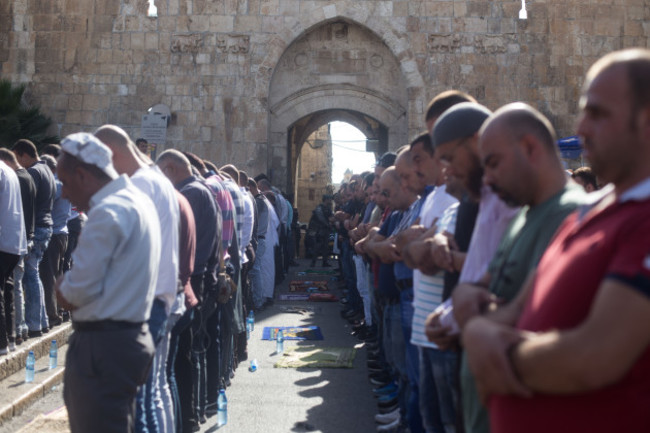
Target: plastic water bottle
251, 320
222, 408
29, 367
279, 340
53, 355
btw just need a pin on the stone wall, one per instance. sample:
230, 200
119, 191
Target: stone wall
214, 63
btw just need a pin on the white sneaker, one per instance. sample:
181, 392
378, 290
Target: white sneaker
386, 418
12, 347
389, 427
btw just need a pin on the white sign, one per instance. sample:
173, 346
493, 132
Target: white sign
154, 128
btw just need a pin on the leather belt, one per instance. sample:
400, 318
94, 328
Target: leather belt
106, 325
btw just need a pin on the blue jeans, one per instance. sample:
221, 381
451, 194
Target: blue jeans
394, 350
413, 417
438, 389
148, 397
35, 314
19, 295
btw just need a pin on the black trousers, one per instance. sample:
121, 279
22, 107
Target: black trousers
7, 312
103, 370
49, 270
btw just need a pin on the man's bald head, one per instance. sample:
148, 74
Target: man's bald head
114, 137
174, 165
519, 155
520, 119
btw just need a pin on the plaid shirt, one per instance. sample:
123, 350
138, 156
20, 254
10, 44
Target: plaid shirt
225, 202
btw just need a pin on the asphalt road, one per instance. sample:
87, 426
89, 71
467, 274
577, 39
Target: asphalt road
272, 400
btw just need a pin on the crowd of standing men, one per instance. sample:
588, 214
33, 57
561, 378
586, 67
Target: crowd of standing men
171, 259
494, 293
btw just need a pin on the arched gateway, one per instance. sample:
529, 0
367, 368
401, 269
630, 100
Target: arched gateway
337, 70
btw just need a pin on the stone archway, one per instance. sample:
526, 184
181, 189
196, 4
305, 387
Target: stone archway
338, 70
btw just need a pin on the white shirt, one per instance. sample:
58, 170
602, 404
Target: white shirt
160, 190
13, 239
116, 261
427, 289
247, 227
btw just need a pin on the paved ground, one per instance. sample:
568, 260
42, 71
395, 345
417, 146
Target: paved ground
271, 399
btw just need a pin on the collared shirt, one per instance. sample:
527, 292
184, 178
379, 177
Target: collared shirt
45, 191
160, 190
238, 201
204, 209
13, 238
116, 259
227, 207
592, 245
491, 222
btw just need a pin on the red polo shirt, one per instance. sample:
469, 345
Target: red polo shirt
588, 248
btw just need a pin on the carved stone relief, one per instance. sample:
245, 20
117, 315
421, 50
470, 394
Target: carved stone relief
234, 44
186, 43
483, 44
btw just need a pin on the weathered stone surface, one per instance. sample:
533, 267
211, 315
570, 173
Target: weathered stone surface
382, 58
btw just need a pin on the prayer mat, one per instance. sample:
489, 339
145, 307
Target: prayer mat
298, 310
322, 297
293, 332
308, 286
316, 357
293, 297
320, 272
314, 297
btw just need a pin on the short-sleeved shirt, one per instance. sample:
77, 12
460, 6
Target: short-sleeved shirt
45, 192
522, 245
613, 243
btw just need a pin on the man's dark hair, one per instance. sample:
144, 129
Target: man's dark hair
232, 171
444, 101
51, 149
586, 175
252, 183
210, 166
195, 162
50, 161
369, 179
425, 139
264, 183
387, 160
260, 177
141, 140
8, 156
24, 146
243, 178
